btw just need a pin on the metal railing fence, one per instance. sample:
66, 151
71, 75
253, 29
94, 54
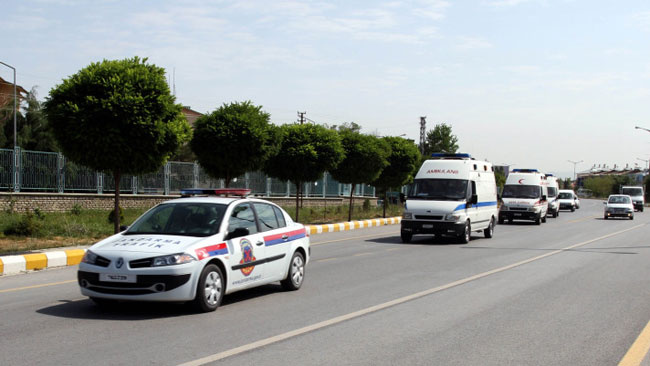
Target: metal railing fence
38, 171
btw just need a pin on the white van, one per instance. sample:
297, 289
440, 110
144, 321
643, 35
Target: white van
524, 196
452, 194
553, 190
637, 196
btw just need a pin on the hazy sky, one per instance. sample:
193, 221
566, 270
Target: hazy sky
530, 83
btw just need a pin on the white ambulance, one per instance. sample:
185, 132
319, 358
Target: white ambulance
553, 190
524, 196
452, 194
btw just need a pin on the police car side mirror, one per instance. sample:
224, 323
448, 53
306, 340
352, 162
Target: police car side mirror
238, 232
123, 228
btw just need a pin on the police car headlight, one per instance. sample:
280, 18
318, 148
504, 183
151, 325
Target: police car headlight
452, 217
407, 215
173, 259
89, 257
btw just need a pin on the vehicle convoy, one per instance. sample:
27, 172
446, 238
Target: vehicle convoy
524, 196
619, 205
197, 249
567, 200
552, 189
637, 195
452, 194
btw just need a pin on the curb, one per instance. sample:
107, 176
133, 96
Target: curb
13, 264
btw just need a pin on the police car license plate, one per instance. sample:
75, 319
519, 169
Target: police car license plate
427, 226
109, 277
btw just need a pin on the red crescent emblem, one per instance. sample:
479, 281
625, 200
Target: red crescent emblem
521, 180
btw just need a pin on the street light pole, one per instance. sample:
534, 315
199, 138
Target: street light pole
15, 98
641, 128
646, 161
574, 167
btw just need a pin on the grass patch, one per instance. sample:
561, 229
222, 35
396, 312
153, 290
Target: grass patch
24, 232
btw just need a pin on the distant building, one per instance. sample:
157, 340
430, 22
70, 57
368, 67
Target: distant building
636, 173
7, 93
191, 115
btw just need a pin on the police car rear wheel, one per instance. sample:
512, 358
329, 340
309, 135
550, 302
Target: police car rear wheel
296, 273
209, 291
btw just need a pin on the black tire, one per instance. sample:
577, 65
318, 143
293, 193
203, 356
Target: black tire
406, 237
605, 217
544, 219
555, 213
489, 231
296, 273
573, 208
466, 236
632, 217
538, 220
210, 289
641, 209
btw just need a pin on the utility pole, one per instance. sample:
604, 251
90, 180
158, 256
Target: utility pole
423, 130
574, 167
302, 116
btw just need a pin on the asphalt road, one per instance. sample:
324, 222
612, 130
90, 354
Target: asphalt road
573, 291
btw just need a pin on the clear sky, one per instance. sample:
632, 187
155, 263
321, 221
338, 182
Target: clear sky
532, 83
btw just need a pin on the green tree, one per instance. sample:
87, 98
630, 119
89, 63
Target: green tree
500, 178
303, 154
600, 186
403, 163
232, 140
33, 129
346, 126
440, 140
365, 157
117, 116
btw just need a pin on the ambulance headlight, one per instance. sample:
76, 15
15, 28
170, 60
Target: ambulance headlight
453, 217
407, 216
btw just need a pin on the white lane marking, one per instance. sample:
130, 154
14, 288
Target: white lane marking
375, 308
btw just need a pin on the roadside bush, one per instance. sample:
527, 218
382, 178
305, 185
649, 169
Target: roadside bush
366, 205
111, 216
76, 209
39, 214
26, 226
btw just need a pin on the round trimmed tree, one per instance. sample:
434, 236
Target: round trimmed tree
117, 116
234, 139
304, 153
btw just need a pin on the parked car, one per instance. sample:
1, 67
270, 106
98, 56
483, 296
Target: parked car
197, 249
619, 205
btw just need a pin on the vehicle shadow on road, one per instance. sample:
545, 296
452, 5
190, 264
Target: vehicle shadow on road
141, 310
579, 250
418, 240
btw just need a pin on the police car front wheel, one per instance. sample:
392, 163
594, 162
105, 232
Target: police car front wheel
210, 289
296, 273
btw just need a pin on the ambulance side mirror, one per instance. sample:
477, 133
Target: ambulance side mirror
474, 199
544, 197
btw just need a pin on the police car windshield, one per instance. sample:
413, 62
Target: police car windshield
439, 189
566, 195
521, 191
182, 218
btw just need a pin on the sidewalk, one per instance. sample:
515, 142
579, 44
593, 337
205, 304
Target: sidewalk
13, 264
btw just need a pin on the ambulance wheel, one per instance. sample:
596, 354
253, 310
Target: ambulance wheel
605, 217
210, 289
632, 217
544, 219
406, 237
554, 214
467, 233
489, 231
573, 208
538, 220
296, 273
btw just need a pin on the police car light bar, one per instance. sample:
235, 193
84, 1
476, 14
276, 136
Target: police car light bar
451, 156
240, 192
525, 171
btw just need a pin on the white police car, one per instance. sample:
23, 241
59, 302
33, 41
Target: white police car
197, 249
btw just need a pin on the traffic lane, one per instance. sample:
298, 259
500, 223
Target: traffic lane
329, 291
579, 307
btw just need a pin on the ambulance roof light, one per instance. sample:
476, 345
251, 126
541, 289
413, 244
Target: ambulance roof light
451, 156
525, 171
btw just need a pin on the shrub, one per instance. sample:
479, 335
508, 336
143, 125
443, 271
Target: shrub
26, 226
366, 205
76, 209
39, 214
111, 216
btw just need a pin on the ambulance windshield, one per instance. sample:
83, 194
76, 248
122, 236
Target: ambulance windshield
439, 189
521, 191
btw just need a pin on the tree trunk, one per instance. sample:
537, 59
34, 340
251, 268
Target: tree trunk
297, 201
350, 208
116, 223
385, 202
